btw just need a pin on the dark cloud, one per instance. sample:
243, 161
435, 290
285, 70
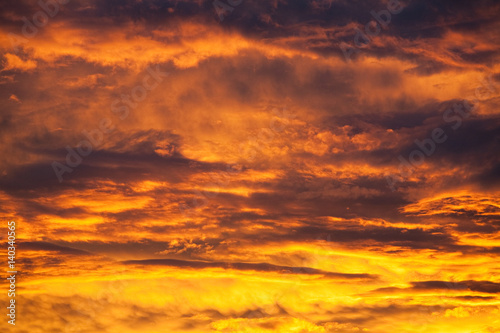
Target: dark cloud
260, 267
471, 285
45, 246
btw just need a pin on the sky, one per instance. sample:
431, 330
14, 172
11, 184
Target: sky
251, 166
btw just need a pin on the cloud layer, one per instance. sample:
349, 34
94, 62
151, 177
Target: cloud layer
170, 172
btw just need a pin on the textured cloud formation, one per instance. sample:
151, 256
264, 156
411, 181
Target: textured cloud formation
171, 172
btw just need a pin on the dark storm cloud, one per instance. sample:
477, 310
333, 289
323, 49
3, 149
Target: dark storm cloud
28, 177
396, 236
134, 153
392, 119
320, 204
476, 298
260, 267
469, 285
46, 246
426, 21
490, 177
430, 18
472, 146
291, 197
470, 142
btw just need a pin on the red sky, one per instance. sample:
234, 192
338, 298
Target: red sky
279, 170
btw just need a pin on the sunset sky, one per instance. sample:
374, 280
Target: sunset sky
251, 166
